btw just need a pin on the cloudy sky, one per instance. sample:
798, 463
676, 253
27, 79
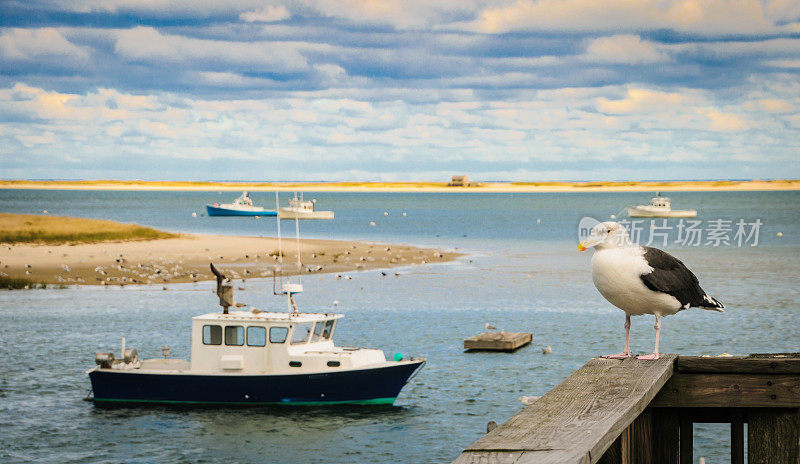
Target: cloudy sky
400, 89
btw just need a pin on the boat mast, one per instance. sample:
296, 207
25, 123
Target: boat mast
288, 289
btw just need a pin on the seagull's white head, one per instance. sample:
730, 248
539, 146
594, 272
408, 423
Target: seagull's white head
606, 235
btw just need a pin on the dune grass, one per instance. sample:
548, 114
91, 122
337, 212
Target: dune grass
54, 230
18, 283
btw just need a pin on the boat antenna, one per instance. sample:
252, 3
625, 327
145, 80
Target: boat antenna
287, 288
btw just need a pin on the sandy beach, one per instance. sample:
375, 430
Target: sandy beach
186, 259
493, 187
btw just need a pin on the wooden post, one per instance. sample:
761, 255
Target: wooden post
737, 436
773, 436
687, 440
639, 449
666, 426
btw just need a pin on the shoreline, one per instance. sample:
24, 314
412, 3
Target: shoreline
187, 257
426, 187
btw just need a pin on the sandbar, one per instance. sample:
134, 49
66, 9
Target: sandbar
187, 257
488, 187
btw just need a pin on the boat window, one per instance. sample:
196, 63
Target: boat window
212, 335
234, 335
278, 334
317, 331
328, 330
301, 333
256, 336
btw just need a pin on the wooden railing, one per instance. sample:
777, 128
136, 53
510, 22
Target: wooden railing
642, 412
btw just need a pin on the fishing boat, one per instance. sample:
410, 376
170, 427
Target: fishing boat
242, 206
299, 209
660, 207
255, 357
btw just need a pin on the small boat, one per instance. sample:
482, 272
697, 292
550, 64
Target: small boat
660, 207
242, 206
299, 209
256, 357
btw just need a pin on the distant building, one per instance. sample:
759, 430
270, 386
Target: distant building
459, 181
462, 181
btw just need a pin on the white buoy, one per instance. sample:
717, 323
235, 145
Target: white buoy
385, 213
372, 223
613, 216
780, 234
538, 221
194, 214
404, 215
44, 212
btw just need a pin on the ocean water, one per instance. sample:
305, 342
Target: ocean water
521, 272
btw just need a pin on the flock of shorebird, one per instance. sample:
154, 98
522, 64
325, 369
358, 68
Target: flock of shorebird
125, 270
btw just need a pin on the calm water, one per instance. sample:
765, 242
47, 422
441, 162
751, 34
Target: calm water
522, 273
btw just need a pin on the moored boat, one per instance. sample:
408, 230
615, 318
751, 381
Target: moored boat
242, 206
256, 358
300, 209
660, 207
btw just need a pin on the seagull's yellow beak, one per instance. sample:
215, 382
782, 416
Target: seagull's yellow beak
581, 247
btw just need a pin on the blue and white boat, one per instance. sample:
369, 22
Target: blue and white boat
256, 358
242, 206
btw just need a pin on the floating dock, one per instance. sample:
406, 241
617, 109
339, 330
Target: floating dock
643, 412
498, 341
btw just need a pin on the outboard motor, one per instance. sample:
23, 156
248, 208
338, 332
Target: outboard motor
104, 360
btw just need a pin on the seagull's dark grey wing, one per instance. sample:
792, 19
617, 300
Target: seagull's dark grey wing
671, 276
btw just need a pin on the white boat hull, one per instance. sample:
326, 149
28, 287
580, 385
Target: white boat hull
649, 212
290, 213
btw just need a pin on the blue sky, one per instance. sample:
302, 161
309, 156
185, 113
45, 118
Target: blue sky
525, 90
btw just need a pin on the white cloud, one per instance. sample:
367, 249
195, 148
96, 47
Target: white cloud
707, 17
267, 14
624, 49
724, 122
38, 44
643, 101
146, 43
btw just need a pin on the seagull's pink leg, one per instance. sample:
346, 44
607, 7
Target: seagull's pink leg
655, 352
627, 352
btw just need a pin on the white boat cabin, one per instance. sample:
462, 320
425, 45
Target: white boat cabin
660, 202
244, 342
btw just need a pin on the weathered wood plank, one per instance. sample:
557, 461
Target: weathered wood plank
773, 436
738, 364
521, 457
730, 391
498, 341
579, 419
613, 454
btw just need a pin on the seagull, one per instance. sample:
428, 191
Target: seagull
490, 327
641, 280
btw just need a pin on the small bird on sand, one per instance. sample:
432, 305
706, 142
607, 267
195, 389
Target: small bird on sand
641, 280
490, 327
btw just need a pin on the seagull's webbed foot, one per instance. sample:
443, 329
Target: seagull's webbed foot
648, 357
623, 355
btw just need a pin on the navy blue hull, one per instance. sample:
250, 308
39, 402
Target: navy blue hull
367, 386
217, 211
